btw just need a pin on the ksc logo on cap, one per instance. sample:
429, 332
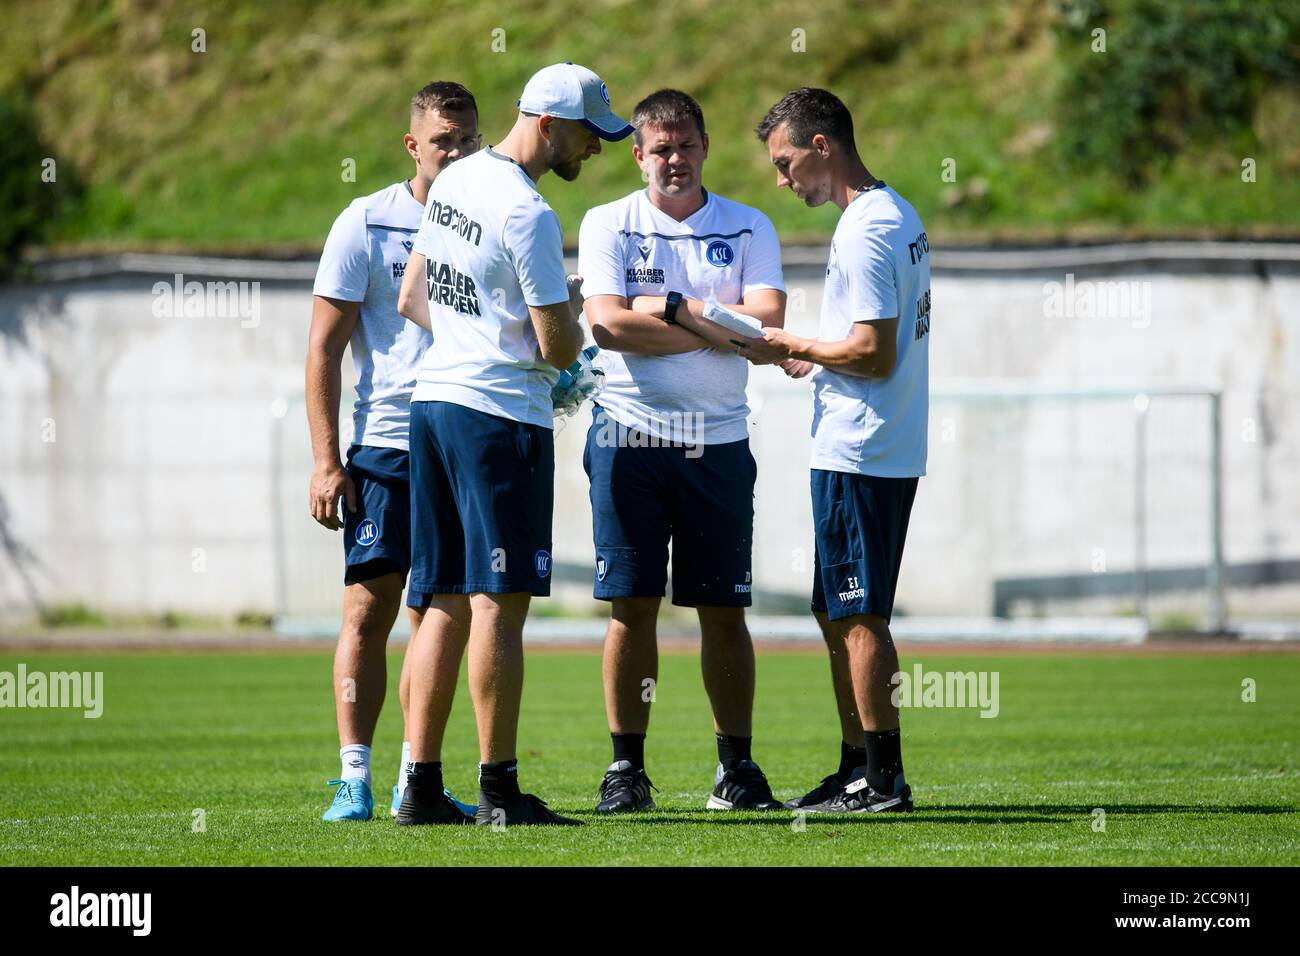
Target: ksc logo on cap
604, 94
367, 533
542, 560
719, 253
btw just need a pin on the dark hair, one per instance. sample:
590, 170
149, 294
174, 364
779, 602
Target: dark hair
443, 96
807, 112
666, 108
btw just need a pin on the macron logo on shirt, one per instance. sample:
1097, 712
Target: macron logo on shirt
446, 215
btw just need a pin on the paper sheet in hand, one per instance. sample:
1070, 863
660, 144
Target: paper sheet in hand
742, 325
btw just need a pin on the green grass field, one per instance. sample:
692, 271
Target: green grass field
1186, 771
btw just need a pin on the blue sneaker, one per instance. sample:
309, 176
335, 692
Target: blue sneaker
352, 801
468, 809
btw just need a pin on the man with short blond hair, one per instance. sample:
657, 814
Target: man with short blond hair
355, 301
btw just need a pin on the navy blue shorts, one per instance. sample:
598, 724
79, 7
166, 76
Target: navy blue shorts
860, 524
377, 536
701, 497
482, 491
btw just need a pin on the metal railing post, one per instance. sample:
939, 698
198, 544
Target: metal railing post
1141, 402
1215, 571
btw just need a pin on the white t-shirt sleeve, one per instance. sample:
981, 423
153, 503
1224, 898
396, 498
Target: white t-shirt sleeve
600, 258
762, 266
420, 243
868, 267
533, 237
344, 270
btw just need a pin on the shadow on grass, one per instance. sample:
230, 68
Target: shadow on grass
942, 813
1110, 808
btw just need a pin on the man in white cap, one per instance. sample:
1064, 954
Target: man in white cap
486, 276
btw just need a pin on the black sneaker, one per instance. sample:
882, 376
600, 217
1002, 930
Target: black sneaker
528, 810
742, 788
625, 789
859, 797
829, 787
420, 806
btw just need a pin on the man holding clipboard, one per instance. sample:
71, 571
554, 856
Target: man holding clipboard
668, 450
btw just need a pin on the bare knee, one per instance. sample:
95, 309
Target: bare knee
868, 631
443, 613
370, 609
723, 624
637, 615
833, 632
502, 613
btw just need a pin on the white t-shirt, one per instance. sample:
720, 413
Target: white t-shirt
492, 247
724, 250
879, 269
363, 261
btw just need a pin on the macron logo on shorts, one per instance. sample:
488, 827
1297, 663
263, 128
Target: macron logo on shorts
367, 533
602, 568
854, 591
542, 560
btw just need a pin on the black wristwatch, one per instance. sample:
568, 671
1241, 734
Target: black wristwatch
671, 301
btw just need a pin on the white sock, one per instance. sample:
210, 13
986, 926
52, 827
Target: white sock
402, 768
356, 762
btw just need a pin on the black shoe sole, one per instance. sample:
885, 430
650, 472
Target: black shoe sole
797, 804
559, 821
484, 818
414, 816
716, 802
905, 807
635, 808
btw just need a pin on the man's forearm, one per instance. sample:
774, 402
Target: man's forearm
690, 314
843, 357
417, 311
412, 298
640, 333
324, 388
768, 316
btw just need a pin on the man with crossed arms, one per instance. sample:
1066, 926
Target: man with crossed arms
668, 449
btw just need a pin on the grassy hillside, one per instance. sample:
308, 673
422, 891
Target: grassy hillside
240, 148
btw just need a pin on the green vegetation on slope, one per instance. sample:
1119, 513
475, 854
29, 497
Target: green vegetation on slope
242, 146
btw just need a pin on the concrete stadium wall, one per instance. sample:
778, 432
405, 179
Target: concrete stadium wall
138, 451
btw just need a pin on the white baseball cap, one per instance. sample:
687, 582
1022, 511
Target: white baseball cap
569, 91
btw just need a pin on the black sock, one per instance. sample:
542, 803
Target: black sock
425, 777
498, 783
629, 747
851, 758
884, 759
732, 750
